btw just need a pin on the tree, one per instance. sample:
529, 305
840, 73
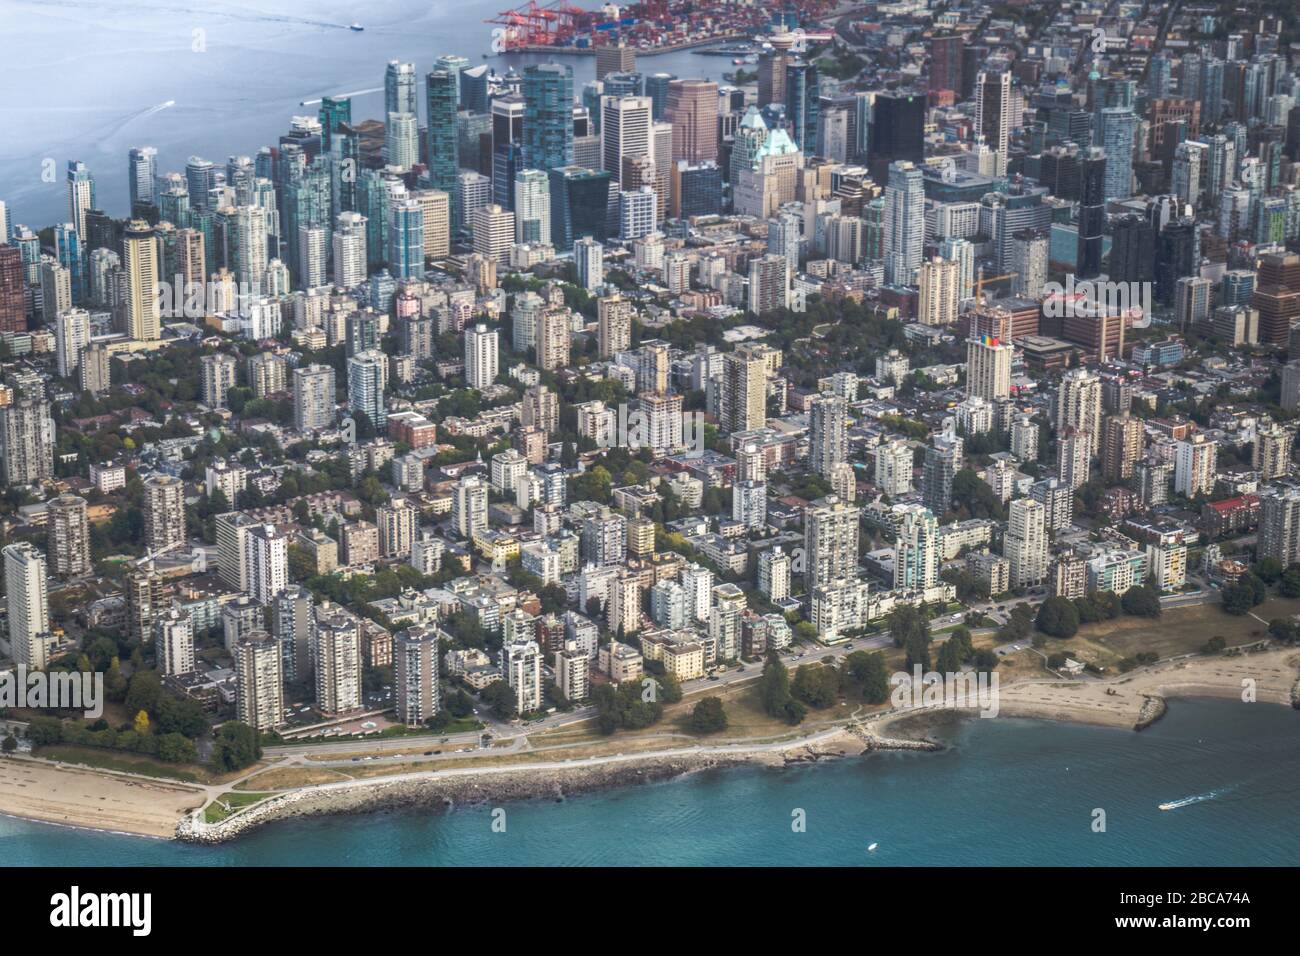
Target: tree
1141, 602
869, 673
774, 691
1238, 599
1268, 570
708, 717
1289, 585
143, 692
918, 651
236, 746
501, 699
176, 748
949, 659
1058, 617
9, 744
817, 685
141, 723
906, 621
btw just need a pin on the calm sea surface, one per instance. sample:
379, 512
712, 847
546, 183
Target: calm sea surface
1007, 792
88, 79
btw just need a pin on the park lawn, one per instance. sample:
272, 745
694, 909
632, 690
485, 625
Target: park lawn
1181, 630
289, 778
124, 762
104, 759
230, 803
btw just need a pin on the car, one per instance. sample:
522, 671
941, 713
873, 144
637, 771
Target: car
713, 677
428, 753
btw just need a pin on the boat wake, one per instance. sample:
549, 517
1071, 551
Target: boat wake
1198, 798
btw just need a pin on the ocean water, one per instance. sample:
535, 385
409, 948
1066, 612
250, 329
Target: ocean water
1007, 792
89, 79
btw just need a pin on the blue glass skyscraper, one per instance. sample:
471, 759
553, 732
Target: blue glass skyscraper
442, 89
548, 115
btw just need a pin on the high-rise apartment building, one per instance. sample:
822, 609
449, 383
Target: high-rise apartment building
164, 512
1025, 543
313, 398
30, 641
68, 536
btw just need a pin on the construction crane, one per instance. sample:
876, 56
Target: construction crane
151, 556
982, 280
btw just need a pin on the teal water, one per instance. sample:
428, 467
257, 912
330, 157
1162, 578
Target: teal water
1007, 792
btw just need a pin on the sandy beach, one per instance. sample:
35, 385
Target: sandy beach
72, 796
86, 798
1119, 702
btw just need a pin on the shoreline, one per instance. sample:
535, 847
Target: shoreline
137, 806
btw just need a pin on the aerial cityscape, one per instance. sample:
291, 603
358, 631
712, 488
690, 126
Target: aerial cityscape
786, 431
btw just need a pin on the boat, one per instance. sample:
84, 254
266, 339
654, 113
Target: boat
356, 27
1168, 806
872, 848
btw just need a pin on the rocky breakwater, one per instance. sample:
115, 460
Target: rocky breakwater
445, 789
1153, 708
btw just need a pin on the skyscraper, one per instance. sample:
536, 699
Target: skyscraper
217, 378
532, 206
625, 132
30, 641
313, 397
917, 555
480, 356
1121, 447
81, 195
406, 239
259, 681
830, 541
164, 512
743, 403
904, 226
140, 263
943, 459
400, 94
988, 367
349, 248
1025, 543
142, 170
68, 541
1078, 404
1118, 128
993, 113
897, 131
27, 441
548, 116
367, 372
692, 109
441, 92
415, 674
938, 281
828, 425
945, 63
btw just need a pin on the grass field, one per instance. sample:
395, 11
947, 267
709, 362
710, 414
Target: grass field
1178, 631
124, 762
286, 778
230, 803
